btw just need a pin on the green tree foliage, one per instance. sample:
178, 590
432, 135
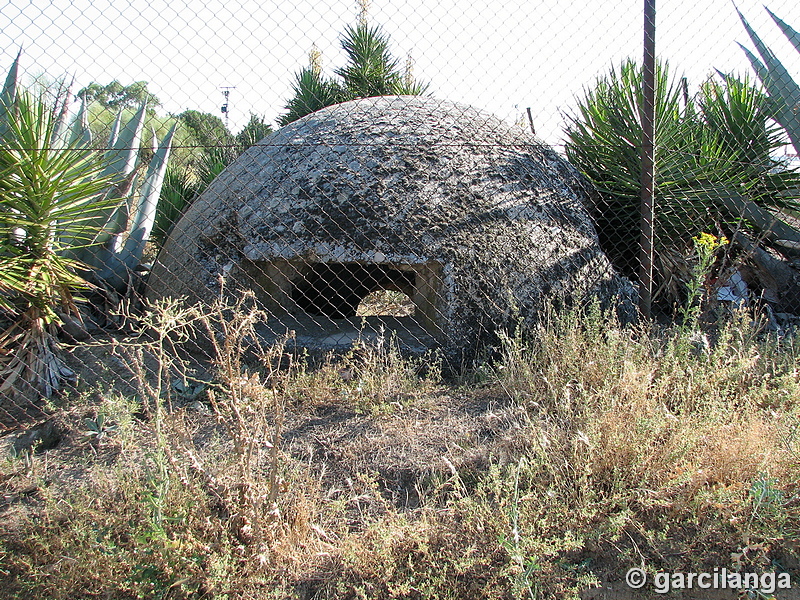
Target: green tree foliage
370, 70
206, 129
256, 130
717, 146
208, 147
116, 96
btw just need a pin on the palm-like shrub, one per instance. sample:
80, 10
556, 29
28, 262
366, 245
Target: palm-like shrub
370, 70
72, 218
48, 197
182, 184
214, 149
312, 91
256, 129
708, 150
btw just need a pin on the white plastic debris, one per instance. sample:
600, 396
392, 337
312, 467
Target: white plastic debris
734, 291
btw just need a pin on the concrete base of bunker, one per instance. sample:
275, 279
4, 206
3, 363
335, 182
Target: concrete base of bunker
319, 301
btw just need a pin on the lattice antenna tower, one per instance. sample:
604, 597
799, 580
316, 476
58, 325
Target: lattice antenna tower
226, 108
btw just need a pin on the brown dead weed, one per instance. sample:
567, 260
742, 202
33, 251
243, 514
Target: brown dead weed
564, 463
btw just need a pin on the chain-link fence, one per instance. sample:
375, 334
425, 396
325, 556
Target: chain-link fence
426, 174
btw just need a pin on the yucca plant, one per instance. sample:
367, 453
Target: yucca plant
713, 154
72, 218
47, 198
741, 117
312, 92
370, 70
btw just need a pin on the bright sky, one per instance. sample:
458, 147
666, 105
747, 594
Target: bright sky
499, 56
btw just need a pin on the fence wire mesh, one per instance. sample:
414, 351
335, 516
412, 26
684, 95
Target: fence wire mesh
424, 175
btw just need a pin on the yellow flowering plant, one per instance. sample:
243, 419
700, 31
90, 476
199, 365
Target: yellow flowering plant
706, 246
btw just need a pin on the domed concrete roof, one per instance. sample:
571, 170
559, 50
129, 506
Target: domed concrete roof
479, 223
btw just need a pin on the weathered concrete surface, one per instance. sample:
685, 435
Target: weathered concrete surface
481, 224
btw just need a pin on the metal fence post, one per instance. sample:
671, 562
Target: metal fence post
647, 180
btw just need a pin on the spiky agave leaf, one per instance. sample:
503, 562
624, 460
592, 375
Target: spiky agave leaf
61, 112
80, 133
9, 93
121, 157
120, 169
776, 79
112, 138
144, 218
113, 266
791, 34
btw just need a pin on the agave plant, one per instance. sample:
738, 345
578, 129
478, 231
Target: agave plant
124, 228
780, 86
71, 218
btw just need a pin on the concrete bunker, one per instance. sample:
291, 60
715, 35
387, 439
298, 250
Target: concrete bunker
479, 224
336, 289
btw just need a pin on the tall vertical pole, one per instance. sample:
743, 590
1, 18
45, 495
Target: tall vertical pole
647, 182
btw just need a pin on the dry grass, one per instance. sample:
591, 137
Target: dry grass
386, 302
592, 450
